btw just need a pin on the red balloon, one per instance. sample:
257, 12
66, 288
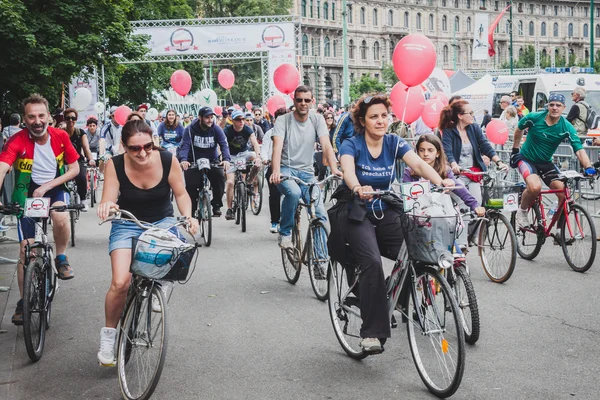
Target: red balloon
226, 79
248, 105
431, 112
407, 103
275, 103
414, 59
219, 111
121, 114
237, 106
181, 82
497, 131
286, 78
442, 96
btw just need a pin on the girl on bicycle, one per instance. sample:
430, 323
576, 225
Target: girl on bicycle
170, 132
370, 227
139, 181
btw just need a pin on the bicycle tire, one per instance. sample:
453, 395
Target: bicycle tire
34, 302
568, 242
244, 200
344, 311
256, 206
449, 358
468, 308
317, 274
291, 258
237, 204
72, 218
205, 218
529, 243
139, 327
92, 189
50, 281
491, 243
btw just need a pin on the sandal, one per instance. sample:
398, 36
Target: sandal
65, 272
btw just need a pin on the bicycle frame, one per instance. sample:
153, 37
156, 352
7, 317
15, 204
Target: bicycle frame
562, 209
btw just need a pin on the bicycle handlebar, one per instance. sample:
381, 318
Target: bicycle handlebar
115, 214
301, 182
15, 208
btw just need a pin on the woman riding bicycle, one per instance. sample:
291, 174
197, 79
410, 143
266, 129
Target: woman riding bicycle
140, 181
170, 132
369, 226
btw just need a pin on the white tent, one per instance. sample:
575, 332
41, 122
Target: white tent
480, 95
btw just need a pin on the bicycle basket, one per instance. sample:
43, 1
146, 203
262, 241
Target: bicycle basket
156, 252
493, 197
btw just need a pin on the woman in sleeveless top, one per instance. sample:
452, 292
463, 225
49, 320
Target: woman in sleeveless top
139, 181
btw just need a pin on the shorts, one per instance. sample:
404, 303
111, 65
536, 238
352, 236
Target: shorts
25, 225
122, 232
246, 155
546, 170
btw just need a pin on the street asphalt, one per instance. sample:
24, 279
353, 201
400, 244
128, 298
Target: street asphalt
239, 330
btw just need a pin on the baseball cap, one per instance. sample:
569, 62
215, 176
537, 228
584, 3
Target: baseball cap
237, 114
231, 109
206, 111
248, 115
144, 106
113, 109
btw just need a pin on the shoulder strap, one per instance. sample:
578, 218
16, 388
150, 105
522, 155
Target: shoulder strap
166, 160
587, 110
119, 164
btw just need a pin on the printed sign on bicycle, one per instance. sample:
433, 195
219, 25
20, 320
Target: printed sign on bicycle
511, 202
38, 207
413, 190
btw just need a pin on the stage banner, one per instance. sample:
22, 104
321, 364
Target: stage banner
277, 58
480, 46
213, 39
88, 82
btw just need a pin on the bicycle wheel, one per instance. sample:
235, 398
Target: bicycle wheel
291, 259
142, 346
72, 217
467, 302
50, 282
529, 241
34, 303
435, 332
578, 238
497, 247
205, 218
344, 310
318, 260
256, 198
242, 209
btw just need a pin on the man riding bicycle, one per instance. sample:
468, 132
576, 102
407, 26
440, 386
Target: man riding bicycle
547, 130
294, 137
40, 155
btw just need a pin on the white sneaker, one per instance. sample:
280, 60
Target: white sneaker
522, 218
274, 227
285, 242
86, 205
370, 345
106, 354
155, 302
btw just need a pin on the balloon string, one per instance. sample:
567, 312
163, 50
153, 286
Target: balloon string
230, 96
398, 145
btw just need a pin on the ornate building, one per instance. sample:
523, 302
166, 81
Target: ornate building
556, 27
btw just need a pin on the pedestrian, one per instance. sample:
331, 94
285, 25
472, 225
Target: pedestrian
397, 127
486, 118
186, 120
579, 111
513, 98
504, 102
511, 119
344, 130
521, 109
170, 132
14, 127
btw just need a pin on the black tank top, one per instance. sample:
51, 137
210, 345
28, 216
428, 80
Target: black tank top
148, 205
76, 141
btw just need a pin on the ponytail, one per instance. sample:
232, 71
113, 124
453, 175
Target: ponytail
449, 114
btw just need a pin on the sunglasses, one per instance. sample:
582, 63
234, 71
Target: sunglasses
239, 119
257, 114
307, 101
249, 120
70, 118
136, 149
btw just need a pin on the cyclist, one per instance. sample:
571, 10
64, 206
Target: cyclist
110, 136
239, 135
260, 121
93, 136
40, 155
200, 140
170, 133
294, 136
344, 130
80, 142
258, 131
370, 227
139, 181
547, 130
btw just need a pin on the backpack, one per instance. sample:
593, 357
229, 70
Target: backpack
592, 119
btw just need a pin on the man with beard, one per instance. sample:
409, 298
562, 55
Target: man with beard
40, 155
200, 140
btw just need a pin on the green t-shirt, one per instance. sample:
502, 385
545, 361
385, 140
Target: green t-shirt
543, 140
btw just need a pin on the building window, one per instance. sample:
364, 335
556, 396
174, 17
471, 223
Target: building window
363, 19
349, 10
455, 4
325, 10
303, 8
598, 30
444, 23
520, 28
556, 11
520, 7
456, 24
570, 30
376, 51
543, 29
406, 19
555, 29
313, 49
443, 3
390, 18
375, 19
327, 47
586, 30
543, 9
335, 44
310, 8
598, 12
587, 56
363, 50
419, 21
468, 24
351, 49
586, 12
496, 5
531, 9
319, 9
391, 48
333, 10
431, 23
304, 45
569, 11
531, 28
445, 54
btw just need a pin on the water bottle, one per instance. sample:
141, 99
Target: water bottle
553, 209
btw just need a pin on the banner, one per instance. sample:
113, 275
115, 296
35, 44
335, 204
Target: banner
276, 58
82, 82
480, 47
213, 39
491, 51
438, 82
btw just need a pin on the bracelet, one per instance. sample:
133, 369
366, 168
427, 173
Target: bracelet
354, 187
499, 161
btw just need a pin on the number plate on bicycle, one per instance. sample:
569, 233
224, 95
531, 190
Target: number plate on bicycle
412, 191
511, 202
203, 163
94, 156
239, 163
37, 207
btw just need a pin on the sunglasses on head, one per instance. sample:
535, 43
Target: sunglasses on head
299, 100
136, 149
70, 118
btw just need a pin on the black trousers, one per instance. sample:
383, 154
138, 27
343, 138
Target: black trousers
81, 182
368, 241
194, 183
274, 198
320, 170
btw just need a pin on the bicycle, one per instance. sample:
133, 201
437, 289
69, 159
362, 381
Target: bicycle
143, 326
92, 184
204, 211
255, 197
577, 230
330, 188
314, 253
75, 211
426, 304
240, 166
40, 275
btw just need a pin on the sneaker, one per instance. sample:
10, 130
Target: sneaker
522, 219
156, 305
86, 206
217, 212
371, 345
285, 242
63, 268
320, 271
17, 317
274, 227
229, 214
4, 228
106, 353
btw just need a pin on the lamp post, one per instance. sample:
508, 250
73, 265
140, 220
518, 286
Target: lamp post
345, 77
510, 34
592, 34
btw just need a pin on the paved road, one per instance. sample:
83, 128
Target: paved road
228, 340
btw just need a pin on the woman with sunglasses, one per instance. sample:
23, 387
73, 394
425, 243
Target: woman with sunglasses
371, 227
139, 181
464, 145
80, 141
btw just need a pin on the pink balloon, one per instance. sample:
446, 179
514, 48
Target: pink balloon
248, 105
275, 103
407, 103
286, 78
431, 112
121, 114
237, 106
226, 79
497, 131
181, 82
442, 96
219, 111
414, 59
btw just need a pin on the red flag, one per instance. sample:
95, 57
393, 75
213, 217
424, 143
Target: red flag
491, 51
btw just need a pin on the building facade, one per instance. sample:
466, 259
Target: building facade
557, 28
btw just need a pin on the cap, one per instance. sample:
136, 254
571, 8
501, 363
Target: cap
113, 109
237, 114
224, 113
205, 112
556, 97
144, 106
231, 109
248, 115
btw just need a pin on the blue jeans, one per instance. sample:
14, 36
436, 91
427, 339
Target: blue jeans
292, 192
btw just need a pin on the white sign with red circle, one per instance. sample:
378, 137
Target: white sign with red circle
412, 191
511, 202
37, 207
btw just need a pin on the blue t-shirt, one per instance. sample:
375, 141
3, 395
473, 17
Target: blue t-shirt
376, 172
170, 137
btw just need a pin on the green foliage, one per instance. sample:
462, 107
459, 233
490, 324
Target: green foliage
238, 8
389, 75
365, 84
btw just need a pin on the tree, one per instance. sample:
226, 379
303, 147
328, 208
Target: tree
365, 84
389, 75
